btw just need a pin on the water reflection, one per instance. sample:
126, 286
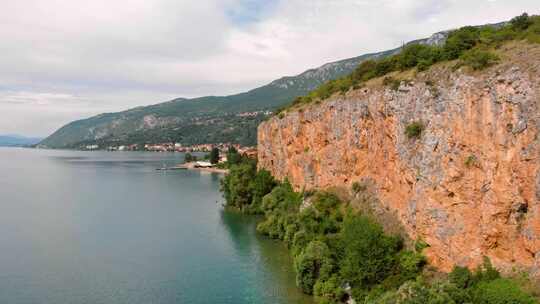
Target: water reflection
276, 264
102, 227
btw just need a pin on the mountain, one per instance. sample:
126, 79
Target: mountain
17, 141
209, 119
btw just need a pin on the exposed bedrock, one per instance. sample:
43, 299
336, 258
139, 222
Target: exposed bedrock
469, 185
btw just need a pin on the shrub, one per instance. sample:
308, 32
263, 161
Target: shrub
478, 59
364, 71
263, 183
418, 54
233, 157
521, 22
461, 277
500, 291
420, 245
533, 33
237, 186
410, 264
300, 240
329, 290
424, 64
414, 129
490, 36
297, 100
417, 293
486, 272
214, 156
188, 157
326, 202
368, 254
470, 161
392, 83
244, 186
458, 295
312, 263
459, 41
384, 66
280, 207
358, 187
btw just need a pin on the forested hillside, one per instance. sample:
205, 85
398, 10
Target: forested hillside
209, 119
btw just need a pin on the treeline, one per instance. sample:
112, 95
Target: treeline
471, 45
219, 129
341, 253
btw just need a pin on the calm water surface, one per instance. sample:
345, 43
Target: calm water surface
104, 227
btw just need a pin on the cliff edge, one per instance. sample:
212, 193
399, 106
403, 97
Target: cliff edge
468, 185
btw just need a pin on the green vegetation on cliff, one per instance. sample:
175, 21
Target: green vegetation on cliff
471, 46
341, 253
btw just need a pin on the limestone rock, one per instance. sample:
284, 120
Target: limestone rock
469, 185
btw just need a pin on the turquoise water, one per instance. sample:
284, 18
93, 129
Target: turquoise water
106, 227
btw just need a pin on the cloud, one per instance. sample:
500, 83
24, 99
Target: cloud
63, 60
38, 99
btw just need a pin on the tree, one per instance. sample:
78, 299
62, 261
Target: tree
369, 255
263, 183
459, 41
521, 22
478, 59
237, 186
188, 157
214, 156
500, 291
233, 157
311, 264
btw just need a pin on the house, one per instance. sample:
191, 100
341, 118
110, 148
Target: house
203, 164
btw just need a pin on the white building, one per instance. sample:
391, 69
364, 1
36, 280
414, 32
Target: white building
203, 164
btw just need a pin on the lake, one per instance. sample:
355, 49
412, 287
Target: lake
106, 227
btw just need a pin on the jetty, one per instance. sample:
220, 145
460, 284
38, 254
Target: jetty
196, 165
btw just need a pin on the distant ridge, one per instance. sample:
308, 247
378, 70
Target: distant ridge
11, 140
209, 119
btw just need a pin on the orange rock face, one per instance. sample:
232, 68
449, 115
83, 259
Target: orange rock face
469, 185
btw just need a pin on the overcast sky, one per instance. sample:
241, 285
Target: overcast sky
62, 60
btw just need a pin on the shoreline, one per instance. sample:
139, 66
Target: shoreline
192, 166
211, 170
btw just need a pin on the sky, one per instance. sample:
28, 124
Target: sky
62, 60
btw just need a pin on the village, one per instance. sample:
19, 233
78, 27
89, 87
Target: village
177, 147
191, 161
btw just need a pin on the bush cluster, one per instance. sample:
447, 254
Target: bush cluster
244, 187
414, 129
188, 157
340, 253
485, 286
479, 59
334, 246
469, 44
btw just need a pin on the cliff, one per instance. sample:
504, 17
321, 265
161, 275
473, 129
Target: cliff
469, 185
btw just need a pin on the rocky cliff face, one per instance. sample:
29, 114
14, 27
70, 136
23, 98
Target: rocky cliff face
469, 186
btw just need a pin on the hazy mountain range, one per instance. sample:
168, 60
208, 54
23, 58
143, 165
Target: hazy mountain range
11, 140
